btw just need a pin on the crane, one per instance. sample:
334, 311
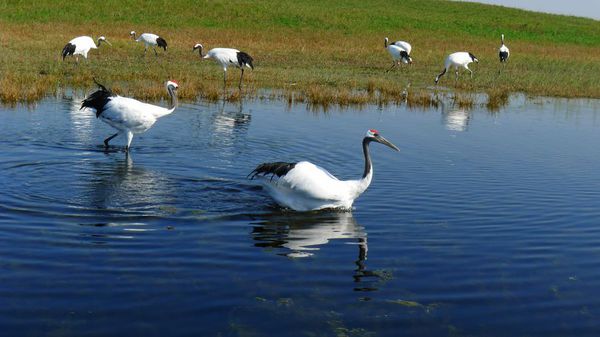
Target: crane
304, 186
127, 115
228, 57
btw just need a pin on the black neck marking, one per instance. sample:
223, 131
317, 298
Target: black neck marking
368, 165
472, 56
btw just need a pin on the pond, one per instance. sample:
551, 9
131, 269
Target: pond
484, 224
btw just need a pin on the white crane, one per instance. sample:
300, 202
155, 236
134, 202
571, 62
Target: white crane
125, 114
457, 60
81, 46
400, 52
304, 186
228, 57
503, 52
150, 39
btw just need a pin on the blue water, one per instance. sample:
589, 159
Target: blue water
485, 224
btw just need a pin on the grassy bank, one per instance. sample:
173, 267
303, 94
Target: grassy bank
315, 51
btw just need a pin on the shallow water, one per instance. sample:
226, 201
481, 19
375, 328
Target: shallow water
485, 224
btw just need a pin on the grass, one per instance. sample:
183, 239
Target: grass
317, 52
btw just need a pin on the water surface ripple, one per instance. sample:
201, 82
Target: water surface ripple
485, 224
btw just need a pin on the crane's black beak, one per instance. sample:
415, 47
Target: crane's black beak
386, 142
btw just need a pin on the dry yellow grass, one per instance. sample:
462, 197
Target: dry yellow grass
318, 64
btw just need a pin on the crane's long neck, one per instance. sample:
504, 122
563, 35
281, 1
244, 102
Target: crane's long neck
172, 106
502, 38
368, 165
173, 96
368, 172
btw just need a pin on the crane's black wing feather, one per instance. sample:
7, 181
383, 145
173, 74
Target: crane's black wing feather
274, 169
98, 99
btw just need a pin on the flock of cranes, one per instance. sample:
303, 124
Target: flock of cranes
301, 186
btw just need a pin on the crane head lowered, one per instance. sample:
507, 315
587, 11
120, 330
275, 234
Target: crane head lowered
473, 58
373, 135
198, 46
103, 39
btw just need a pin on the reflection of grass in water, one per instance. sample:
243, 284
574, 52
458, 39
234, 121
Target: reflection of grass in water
332, 56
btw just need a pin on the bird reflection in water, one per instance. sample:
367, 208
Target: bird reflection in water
456, 119
122, 196
230, 124
301, 235
119, 184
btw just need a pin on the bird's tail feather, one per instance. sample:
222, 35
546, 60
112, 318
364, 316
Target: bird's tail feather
245, 60
69, 49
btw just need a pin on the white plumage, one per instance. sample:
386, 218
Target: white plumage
81, 46
150, 40
227, 57
503, 51
304, 186
457, 60
399, 51
127, 115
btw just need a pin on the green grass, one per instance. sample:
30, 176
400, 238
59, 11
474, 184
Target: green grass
326, 51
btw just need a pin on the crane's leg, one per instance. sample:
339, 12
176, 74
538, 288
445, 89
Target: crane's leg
224, 78
145, 50
392, 67
129, 139
155, 53
241, 77
109, 138
466, 67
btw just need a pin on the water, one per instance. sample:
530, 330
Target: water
485, 224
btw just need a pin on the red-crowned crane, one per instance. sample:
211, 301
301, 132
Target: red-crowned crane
150, 39
125, 114
228, 57
503, 52
400, 52
81, 46
304, 186
457, 60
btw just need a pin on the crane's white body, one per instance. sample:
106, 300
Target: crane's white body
503, 50
83, 44
399, 51
224, 56
404, 45
457, 60
309, 187
149, 39
395, 51
131, 116
128, 114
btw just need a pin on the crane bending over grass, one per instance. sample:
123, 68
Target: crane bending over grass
400, 52
150, 39
81, 46
457, 60
228, 57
